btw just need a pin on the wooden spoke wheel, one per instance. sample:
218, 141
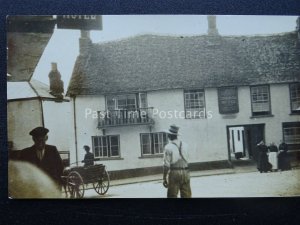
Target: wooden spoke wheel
101, 186
75, 185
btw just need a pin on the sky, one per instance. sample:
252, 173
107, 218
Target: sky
63, 47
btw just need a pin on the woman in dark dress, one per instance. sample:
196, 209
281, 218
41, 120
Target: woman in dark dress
283, 157
263, 164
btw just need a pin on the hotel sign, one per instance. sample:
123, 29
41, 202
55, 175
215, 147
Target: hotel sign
228, 100
79, 22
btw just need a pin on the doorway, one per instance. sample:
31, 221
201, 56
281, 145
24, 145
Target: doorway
242, 141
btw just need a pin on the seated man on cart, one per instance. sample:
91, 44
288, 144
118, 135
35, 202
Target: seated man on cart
88, 158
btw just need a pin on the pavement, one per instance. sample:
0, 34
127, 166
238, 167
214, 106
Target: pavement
238, 169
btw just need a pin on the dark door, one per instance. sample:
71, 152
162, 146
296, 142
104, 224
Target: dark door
255, 133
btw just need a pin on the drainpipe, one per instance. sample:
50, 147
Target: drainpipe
75, 129
42, 109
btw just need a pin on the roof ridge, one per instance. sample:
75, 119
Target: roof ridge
192, 36
198, 61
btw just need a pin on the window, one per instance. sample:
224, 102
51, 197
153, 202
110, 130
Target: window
106, 146
228, 100
194, 104
260, 100
126, 101
143, 100
153, 143
295, 97
291, 135
126, 109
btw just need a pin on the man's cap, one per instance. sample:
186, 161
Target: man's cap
173, 130
39, 131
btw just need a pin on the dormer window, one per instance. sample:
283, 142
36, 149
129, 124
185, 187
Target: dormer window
128, 102
125, 109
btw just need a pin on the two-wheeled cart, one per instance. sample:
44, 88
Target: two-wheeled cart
78, 179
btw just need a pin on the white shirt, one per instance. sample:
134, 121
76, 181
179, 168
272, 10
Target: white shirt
40, 153
172, 156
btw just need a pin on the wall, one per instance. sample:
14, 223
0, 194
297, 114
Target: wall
200, 134
58, 119
22, 117
207, 138
281, 110
85, 123
129, 136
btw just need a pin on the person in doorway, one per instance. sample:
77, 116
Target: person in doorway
283, 157
263, 164
45, 157
176, 175
273, 152
89, 157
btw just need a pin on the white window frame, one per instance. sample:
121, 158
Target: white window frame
149, 143
194, 104
100, 148
138, 103
260, 100
154, 150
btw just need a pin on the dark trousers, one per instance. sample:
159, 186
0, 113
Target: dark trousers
179, 181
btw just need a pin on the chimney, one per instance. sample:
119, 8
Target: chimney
84, 42
53, 66
212, 26
56, 84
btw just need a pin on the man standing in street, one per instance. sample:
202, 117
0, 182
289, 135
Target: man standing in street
44, 157
176, 175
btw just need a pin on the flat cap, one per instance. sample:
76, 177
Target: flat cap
39, 131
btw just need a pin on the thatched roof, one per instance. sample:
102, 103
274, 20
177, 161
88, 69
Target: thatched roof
151, 62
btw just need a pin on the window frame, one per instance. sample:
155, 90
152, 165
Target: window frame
185, 103
291, 102
291, 146
108, 146
151, 138
142, 144
269, 113
137, 99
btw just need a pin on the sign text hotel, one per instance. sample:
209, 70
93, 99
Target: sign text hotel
79, 22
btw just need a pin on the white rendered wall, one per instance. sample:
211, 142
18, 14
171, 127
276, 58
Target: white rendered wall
58, 119
207, 138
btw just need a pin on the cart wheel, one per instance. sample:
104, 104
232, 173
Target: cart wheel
75, 185
101, 186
